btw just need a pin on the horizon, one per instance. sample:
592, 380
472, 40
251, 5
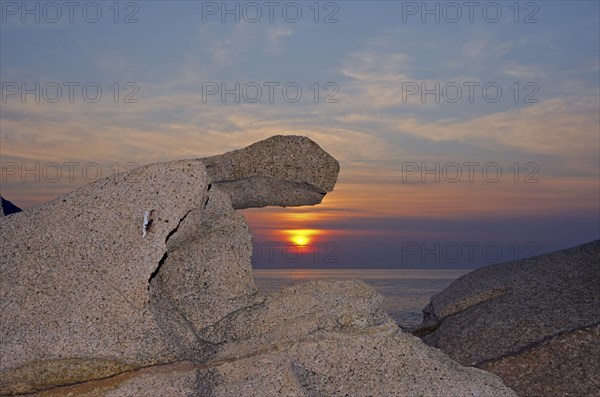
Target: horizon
361, 273
436, 171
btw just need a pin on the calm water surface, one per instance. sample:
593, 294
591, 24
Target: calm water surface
405, 291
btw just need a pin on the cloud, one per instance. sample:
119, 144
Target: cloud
377, 79
523, 71
275, 36
559, 126
222, 47
376, 66
479, 52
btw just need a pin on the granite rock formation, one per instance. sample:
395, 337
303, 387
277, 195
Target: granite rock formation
534, 322
141, 285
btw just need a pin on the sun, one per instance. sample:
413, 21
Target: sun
301, 237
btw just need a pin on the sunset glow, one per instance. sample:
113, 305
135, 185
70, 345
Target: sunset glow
423, 167
301, 237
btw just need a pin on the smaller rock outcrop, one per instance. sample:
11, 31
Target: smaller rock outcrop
534, 322
280, 171
331, 338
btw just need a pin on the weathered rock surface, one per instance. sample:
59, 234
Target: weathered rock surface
534, 322
74, 276
7, 208
288, 171
95, 301
330, 338
205, 275
323, 338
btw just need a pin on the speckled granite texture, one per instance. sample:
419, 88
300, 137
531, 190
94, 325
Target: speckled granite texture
534, 322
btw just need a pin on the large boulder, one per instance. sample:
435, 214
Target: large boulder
534, 322
77, 274
141, 285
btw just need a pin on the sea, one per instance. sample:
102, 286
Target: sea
405, 291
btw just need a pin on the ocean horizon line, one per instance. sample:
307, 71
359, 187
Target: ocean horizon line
365, 273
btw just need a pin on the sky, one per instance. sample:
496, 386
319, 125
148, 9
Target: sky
467, 133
